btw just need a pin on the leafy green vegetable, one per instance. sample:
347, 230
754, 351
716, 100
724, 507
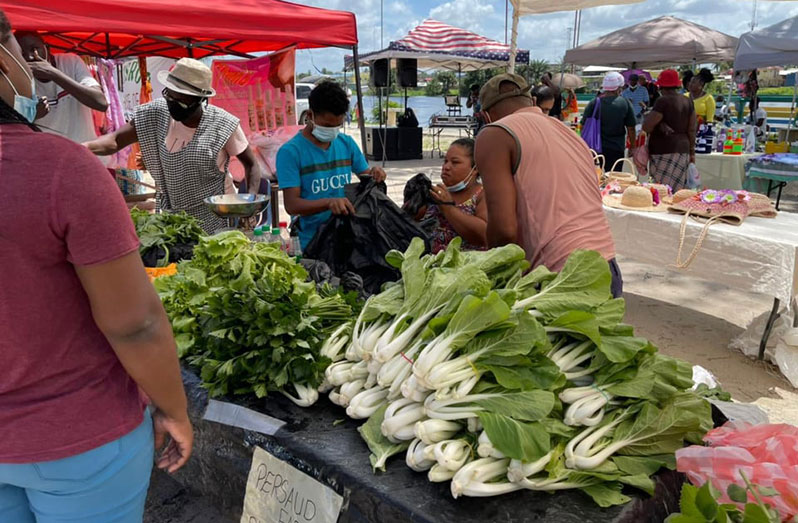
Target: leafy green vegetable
244, 314
381, 448
518, 440
164, 230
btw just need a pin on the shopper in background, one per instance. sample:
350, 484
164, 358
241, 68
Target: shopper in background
315, 165
68, 88
671, 126
637, 96
759, 119
83, 331
460, 208
544, 98
556, 108
704, 103
651, 87
540, 181
617, 119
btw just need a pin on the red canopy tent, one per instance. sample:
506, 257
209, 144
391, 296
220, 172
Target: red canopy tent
177, 28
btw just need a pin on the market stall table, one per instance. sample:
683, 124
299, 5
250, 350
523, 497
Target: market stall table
760, 256
324, 444
770, 172
722, 171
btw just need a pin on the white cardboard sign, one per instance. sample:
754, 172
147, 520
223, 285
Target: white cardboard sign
279, 493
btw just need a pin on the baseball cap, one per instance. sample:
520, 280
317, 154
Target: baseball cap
490, 94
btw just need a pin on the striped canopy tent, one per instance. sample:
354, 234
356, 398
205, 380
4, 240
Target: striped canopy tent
441, 46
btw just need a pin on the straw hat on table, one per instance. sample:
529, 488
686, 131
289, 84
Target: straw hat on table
634, 198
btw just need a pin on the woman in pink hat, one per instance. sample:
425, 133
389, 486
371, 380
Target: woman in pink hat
671, 125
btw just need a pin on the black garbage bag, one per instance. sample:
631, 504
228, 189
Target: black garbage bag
417, 194
359, 243
318, 271
154, 256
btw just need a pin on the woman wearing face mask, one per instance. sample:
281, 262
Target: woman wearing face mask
314, 166
460, 205
176, 135
82, 330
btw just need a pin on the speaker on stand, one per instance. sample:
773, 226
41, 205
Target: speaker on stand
407, 74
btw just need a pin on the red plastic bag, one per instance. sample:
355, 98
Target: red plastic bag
766, 454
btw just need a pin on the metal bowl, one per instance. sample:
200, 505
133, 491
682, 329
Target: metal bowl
237, 205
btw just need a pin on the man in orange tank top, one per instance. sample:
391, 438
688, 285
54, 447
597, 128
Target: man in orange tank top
540, 182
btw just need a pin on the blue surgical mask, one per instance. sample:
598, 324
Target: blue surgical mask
462, 185
22, 104
325, 134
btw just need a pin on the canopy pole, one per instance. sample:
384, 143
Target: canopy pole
387, 110
792, 116
358, 87
513, 41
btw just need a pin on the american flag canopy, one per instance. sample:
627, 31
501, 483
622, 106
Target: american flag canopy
436, 37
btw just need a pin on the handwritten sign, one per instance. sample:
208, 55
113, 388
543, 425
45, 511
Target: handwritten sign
279, 493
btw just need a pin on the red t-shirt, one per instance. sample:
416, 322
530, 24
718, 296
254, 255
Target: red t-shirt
62, 389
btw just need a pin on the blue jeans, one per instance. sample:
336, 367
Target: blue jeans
105, 484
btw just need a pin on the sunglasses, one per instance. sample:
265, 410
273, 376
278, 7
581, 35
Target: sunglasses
169, 98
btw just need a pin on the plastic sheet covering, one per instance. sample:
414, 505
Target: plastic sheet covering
767, 454
758, 256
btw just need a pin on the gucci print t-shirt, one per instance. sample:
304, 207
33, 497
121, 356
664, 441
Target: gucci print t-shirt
318, 173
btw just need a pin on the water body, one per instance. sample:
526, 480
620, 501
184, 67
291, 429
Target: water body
424, 106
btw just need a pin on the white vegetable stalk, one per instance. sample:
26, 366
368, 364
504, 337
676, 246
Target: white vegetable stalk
439, 474
335, 398
519, 470
433, 431
342, 372
350, 390
452, 454
400, 419
455, 371
334, 345
366, 403
390, 347
438, 351
473, 425
485, 448
306, 396
479, 479
587, 405
571, 356
580, 452
413, 390
415, 457
455, 408
399, 367
365, 342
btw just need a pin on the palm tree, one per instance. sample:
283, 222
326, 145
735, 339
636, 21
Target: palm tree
534, 71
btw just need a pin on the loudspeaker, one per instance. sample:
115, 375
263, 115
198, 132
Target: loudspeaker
407, 72
400, 143
379, 73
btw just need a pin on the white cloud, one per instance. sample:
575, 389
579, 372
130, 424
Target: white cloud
474, 15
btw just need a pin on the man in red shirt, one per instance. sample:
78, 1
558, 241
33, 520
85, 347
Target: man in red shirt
82, 330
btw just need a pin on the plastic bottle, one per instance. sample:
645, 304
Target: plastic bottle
739, 144
274, 237
750, 140
261, 115
728, 145
296, 248
253, 119
257, 235
285, 237
710, 138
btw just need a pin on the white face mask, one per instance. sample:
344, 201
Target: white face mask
462, 185
22, 104
324, 134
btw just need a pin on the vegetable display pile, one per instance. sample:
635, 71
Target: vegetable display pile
244, 314
499, 381
165, 231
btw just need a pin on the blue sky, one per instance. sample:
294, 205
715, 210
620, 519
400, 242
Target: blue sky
546, 36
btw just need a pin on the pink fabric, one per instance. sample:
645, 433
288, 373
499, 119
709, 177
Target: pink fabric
180, 135
559, 204
63, 391
767, 454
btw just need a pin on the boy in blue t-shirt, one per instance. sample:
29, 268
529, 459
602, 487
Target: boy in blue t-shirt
315, 165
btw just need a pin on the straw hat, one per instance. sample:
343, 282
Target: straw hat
634, 198
624, 179
684, 194
189, 76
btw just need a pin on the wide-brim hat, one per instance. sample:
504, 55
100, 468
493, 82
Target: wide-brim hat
189, 76
634, 198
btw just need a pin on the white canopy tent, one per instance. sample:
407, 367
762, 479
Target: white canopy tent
773, 45
530, 7
664, 40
